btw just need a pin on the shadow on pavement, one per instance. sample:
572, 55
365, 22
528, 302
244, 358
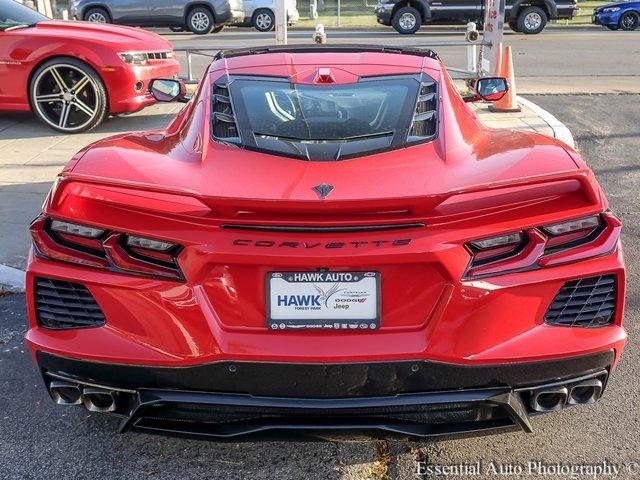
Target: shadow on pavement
25, 125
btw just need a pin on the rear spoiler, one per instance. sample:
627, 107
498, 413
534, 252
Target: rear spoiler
416, 206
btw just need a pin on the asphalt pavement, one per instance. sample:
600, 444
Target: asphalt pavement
559, 60
41, 440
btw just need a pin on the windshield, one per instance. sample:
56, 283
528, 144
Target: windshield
13, 14
323, 112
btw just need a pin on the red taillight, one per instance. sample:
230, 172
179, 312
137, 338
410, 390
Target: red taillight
544, 246
99, 248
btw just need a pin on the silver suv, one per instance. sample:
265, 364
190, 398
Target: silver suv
198, 16
261, 14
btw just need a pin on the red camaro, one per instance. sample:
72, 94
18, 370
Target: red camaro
326, 237
74, 74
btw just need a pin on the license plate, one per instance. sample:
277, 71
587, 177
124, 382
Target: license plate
323, 300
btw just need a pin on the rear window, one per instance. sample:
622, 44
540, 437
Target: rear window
318, 122
324, 113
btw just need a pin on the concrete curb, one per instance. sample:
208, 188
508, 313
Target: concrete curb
560, 130
11, 279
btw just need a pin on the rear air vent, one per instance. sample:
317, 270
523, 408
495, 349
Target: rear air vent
425, 118
588, 302
61, 305
223, 120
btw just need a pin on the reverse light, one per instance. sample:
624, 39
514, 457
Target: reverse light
587, 223
134, 58
149, 243
76, 229
500, 241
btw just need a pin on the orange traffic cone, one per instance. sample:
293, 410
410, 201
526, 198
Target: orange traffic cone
508, 102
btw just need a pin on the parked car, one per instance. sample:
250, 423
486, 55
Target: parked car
528, 17
326, 237
618, 15
198, 16
72, 75
260, 14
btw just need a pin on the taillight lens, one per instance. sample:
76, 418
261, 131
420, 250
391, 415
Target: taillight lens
149, 243
587, 223
571, 233
544, 246
497, 242
106, 249
488, 250
75, 229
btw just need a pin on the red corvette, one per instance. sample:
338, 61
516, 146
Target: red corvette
72, 75
326, 237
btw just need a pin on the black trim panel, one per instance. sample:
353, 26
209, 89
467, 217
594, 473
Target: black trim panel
322, 229
324, 380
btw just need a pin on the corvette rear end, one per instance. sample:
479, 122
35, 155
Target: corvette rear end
340, 245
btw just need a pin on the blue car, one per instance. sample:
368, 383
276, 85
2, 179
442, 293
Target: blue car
624, 15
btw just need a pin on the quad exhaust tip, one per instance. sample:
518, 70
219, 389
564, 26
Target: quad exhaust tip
554, 399
586, 392
98, 400
65, 393
94, 399
549, 400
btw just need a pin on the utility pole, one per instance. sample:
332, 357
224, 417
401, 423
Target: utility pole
281, 23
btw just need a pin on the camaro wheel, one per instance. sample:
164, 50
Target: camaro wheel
68, 95
264, 20
531, 20
407, 20
200, 21
98, 15
629, 21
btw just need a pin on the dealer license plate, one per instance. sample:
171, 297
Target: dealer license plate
323, 300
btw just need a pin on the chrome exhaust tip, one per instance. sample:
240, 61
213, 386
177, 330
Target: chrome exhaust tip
585, 393
549, 400
65, 393
99, 400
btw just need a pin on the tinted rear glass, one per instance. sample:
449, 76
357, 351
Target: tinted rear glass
323, 122
320, 113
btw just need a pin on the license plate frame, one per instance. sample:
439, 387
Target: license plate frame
366, 317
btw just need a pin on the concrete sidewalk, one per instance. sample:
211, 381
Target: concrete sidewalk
32, 156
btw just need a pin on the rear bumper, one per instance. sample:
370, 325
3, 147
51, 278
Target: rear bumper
326, 380
229, 17
157, 322
416, 399
566, 12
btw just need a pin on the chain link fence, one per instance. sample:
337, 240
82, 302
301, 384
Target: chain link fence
338, 13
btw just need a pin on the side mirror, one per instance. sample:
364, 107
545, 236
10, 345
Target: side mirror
168, 90
489, 89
